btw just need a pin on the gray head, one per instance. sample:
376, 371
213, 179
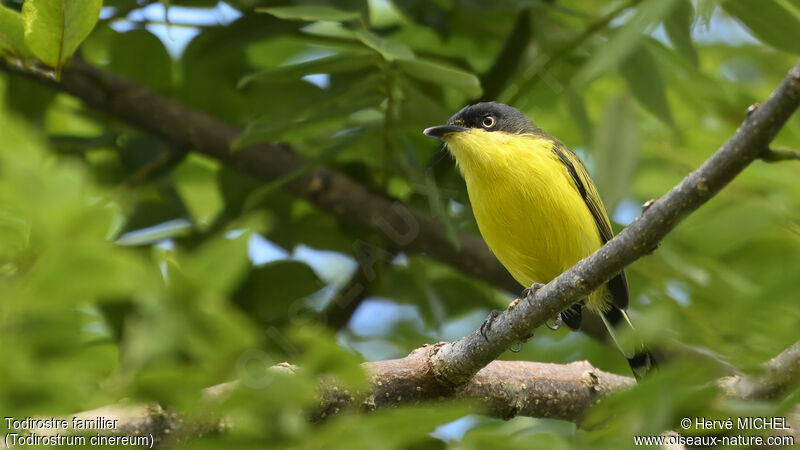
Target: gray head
488, 116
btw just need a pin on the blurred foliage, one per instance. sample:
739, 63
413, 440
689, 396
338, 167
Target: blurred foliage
130, 270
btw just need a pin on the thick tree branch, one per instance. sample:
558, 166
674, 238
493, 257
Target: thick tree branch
503, 389
455, 363
405, 229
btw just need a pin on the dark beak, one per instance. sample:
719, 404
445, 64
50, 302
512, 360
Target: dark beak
440, 131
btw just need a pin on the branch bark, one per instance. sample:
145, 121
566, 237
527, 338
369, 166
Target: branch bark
503, 388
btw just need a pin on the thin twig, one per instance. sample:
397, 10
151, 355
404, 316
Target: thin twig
772, 155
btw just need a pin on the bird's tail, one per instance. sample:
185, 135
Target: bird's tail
638, 356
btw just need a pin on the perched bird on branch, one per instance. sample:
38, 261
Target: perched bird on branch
537, 209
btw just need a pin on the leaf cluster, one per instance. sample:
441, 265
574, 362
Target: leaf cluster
133, 268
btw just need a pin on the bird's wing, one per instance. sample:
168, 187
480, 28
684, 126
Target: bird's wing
586, 188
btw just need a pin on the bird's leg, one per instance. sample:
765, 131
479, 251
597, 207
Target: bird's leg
487, 324
557, 321
531, 291
528, 293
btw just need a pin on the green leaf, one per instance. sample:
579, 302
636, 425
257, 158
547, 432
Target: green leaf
27, 98
219, 264
406, 427
338, 107
438, 207
625, 41
418, 106
390, 50
55, 28
271, 291
347, 62
196, 181
14, 235
679, 30
311, 13
615, 151
264, 191
12, 34
705, 9
321, 355
644, 79
442, 75
775, 23
141, 56
577, 109
460, 295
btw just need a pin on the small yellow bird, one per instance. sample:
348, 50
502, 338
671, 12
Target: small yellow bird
536, 207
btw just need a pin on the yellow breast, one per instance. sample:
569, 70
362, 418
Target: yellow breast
526, 204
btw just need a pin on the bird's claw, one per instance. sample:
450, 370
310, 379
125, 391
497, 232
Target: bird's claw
557, 321
531, 291
487, 324
526, 294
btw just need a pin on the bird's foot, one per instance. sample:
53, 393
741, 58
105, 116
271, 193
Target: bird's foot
557, 321
528, 293
487, 324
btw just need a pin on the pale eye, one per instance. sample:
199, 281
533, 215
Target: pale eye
488, 122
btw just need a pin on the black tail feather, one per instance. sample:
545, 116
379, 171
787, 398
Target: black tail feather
573, 315
640, 358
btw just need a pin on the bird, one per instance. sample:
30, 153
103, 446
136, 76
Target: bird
537, 209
